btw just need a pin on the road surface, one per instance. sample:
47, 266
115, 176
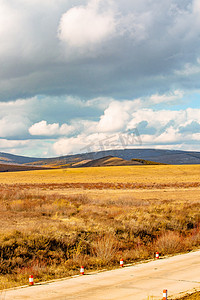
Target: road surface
139, 282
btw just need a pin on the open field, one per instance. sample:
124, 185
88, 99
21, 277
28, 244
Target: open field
15, 168
158, 174
53, 221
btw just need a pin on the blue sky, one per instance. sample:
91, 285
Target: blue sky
76, 73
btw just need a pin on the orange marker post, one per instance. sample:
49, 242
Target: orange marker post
31, 280
164, 294
82, 270
121, 263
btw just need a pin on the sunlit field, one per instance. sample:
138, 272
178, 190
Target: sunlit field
127, 174
53, 221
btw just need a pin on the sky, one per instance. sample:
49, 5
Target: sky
77, 75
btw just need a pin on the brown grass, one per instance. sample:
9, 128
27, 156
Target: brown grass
50, 235
49, 227
195, 296
124, 174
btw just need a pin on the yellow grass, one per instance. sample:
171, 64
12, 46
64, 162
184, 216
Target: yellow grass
121, 174
195, 296
53, 221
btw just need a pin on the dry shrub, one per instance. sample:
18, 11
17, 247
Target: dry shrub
36, 268
193, 240
77, 261
169, 242
195, 237
136, 254
52, 235
105, 248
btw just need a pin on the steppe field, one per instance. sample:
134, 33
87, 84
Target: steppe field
54, 221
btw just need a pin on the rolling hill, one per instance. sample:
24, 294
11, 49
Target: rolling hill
112, 161
16, 159
107, 161
174, 157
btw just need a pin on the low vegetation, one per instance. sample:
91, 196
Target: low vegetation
195, 296
51, 234
146, 162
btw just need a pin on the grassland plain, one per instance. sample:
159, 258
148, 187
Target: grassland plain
53, 221
127, 174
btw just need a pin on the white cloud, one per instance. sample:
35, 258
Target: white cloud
170, 135
83, 143
83, 26
156, 126
27, 29
193, 114
42, 128
34, 148
66, 129
166, 98
10, 26
111, 48
12, 144
164, 127
69, 145
13, 125
196, 137
115, 116
157, 119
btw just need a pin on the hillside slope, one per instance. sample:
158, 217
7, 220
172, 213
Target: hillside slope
16, 159
174, 157
107, 161
111, 161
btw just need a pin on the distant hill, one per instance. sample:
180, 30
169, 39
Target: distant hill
111, 161
175, 157
106, 161
15, 159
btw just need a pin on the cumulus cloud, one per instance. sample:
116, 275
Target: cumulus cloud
172, 128
119, 49
42, 128
12, 125
85, 143
70, 145
115, 117
83, 26
71, 125
74, 72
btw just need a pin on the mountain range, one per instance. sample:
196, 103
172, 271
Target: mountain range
174, 157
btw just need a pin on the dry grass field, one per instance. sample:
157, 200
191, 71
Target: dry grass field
153, 174
195, 296
53, 221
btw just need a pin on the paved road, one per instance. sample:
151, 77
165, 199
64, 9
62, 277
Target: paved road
140, 282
